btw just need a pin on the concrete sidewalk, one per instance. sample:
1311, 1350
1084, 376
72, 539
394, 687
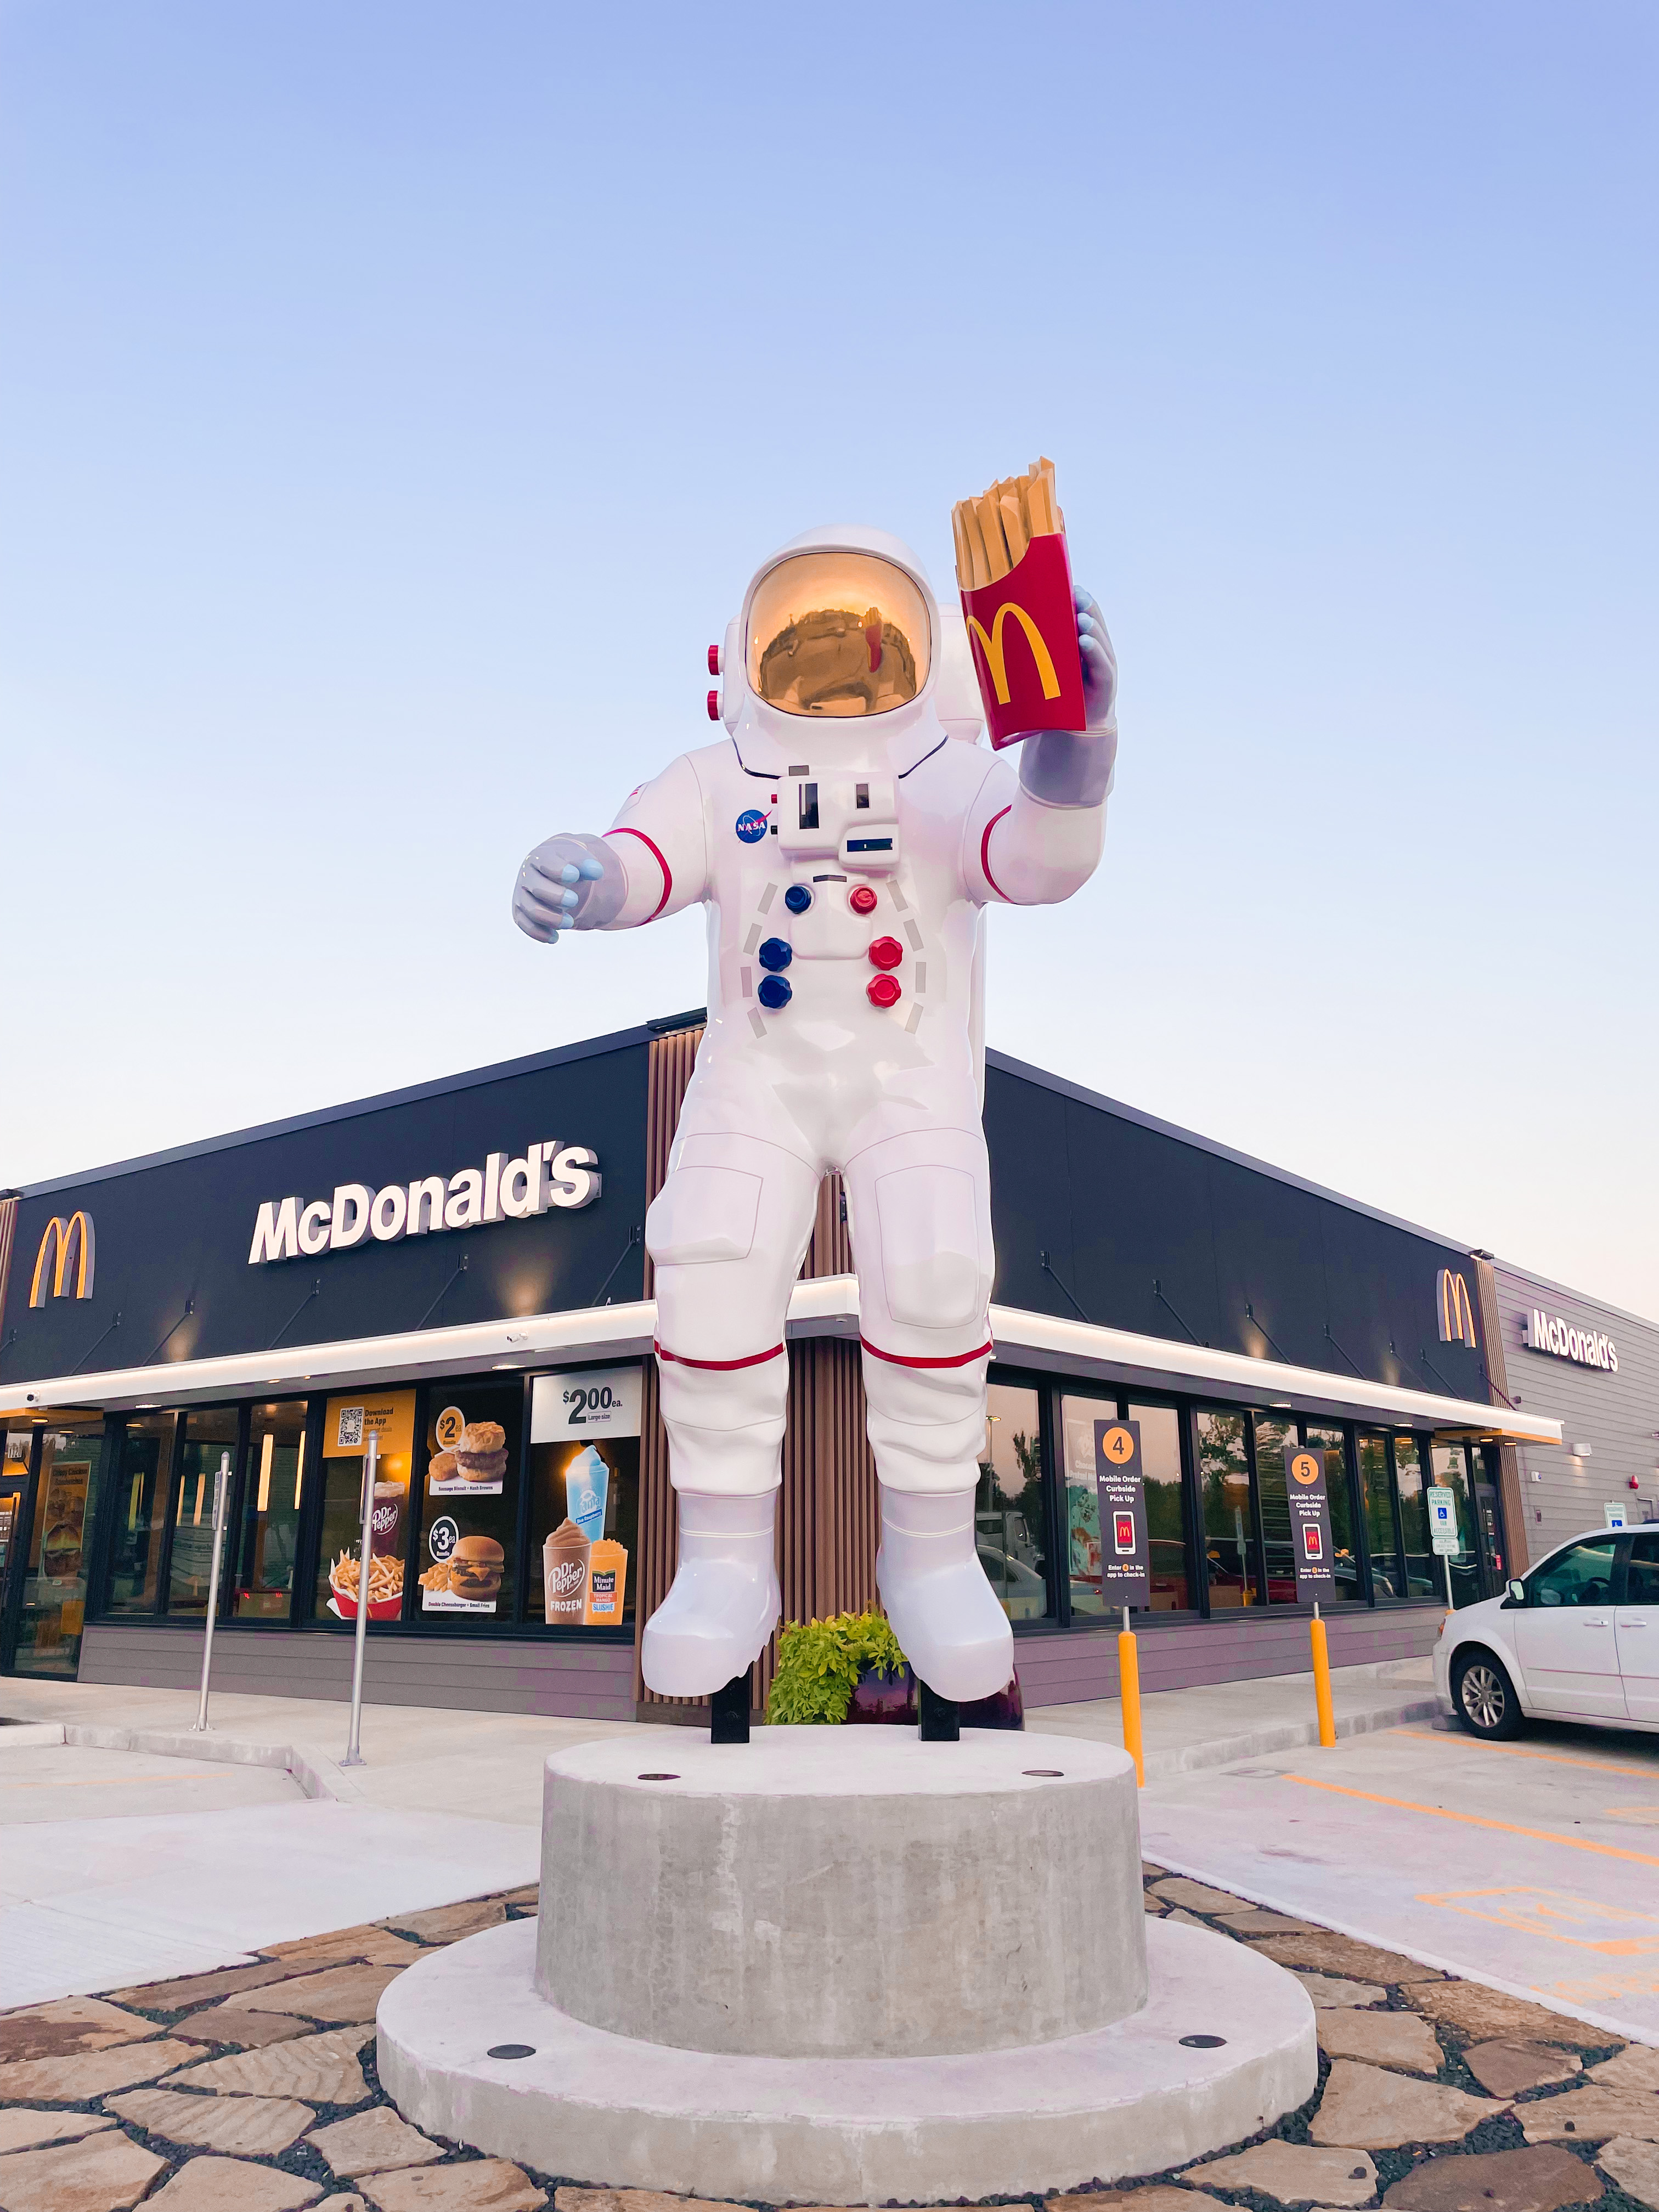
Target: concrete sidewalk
431, 1759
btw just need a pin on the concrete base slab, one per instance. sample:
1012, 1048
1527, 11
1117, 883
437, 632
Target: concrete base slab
1125, 2099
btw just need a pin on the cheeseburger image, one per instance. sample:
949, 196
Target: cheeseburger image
475, 1568
481, 1452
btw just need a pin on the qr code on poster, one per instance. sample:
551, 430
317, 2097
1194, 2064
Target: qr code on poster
352, 1428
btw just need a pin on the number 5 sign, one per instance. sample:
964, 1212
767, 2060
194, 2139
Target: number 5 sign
1125, 1572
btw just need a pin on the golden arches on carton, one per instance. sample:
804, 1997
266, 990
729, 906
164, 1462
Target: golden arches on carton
996, 653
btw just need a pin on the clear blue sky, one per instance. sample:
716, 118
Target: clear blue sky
396, 398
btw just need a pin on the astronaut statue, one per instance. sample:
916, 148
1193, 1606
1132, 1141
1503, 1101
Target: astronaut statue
846, 845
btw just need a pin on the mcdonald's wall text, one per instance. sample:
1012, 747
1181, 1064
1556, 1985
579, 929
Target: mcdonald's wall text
1543, 1331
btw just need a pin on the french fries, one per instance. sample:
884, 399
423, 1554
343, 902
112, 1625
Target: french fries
385, 1577
993, 532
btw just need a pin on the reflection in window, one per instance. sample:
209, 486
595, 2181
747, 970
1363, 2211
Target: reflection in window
55, 1591
142, 1484
1642, 1572
1010, 1523
1224, 1481
1166, 1510
270, 1520
1422, 1577
1377, 1505
1271, 1435
1451, 1469
1344, 1559
209, 1437
1582, 1575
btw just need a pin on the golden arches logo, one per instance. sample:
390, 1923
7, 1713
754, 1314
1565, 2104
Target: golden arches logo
69, 1242
996, 653
1456, 1314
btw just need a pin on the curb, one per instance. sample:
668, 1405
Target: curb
1287, 1735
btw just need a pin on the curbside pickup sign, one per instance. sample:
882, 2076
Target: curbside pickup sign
548, 1175
1125, 1560
1311, 1522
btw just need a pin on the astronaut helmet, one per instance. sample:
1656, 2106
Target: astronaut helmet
842, 625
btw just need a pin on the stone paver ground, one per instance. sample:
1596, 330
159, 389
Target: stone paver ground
255, 2090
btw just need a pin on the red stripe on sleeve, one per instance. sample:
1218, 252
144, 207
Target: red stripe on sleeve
985, 853
667, 873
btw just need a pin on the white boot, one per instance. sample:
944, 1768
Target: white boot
948, 1622
725, 1600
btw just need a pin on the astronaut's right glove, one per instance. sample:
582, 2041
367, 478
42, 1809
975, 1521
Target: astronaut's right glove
567, 883
1073, 768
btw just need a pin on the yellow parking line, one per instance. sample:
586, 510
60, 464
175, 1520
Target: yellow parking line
1519, 1751
1475, 1821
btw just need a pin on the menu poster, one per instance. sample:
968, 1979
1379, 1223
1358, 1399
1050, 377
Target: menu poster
7, 1522
388, 1416
1125, 1560
465, 1573
65, 1520
1310, 1523
593, 1401
469, 1458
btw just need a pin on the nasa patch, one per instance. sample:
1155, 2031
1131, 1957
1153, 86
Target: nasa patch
752, 825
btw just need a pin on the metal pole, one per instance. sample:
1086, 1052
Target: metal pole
220, 1495
353, 1756
1445, 1561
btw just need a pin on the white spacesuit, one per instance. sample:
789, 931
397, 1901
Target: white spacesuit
845, 845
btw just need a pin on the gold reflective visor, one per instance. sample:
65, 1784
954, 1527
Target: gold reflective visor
837, 634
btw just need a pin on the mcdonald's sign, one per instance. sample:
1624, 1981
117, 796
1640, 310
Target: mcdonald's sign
72, 1250
1456, 1314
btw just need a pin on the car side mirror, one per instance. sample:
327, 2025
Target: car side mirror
1515, 1593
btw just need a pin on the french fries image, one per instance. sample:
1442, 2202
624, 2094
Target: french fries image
1015, 577
994, 531
385, 1578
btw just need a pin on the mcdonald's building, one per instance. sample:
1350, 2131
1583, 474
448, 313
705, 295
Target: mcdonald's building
453, 1278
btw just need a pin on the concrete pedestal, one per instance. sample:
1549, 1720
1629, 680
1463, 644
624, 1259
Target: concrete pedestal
841, 1966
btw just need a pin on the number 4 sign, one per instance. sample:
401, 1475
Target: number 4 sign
1125, 1575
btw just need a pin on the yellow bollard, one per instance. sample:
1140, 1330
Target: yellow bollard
1129, 1675
1321, 1671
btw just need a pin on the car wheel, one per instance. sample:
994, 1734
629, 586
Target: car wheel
1484, 1697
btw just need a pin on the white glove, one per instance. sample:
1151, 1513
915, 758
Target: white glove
568, 882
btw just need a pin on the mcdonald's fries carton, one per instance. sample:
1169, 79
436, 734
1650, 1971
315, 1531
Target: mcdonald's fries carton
1015, 577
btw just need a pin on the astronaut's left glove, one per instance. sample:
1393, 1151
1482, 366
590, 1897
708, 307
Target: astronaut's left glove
1073, 768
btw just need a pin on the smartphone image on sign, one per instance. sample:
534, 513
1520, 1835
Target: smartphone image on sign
1312, 1540
1123, 1532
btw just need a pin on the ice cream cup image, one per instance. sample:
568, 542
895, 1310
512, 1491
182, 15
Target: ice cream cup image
607, 1583
564, 1574
586, 1486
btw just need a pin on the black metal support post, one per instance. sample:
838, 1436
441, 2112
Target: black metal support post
941, 1718
728, 1712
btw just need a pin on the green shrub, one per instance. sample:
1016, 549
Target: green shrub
819, 1664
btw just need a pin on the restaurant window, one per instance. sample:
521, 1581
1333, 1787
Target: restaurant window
263, 1578
210, 1438
1377, 1510
1011, 1519
584, 1497
466, 1563
1166, 1505
1271, 1435
1078, 1417
144, 1482
1331, 1446
1451, 1462
348, 1423
14, 1503
54, 1608
1423, 1577
1224, 1481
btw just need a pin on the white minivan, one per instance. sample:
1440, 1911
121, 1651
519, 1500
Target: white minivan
1578, 1639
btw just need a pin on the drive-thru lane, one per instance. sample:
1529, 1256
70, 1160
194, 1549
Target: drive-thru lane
1531, 1865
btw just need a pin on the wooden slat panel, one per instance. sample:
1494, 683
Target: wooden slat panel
8, 1231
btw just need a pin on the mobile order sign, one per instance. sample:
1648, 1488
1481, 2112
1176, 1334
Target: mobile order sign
1311, 1522
1125, 1568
